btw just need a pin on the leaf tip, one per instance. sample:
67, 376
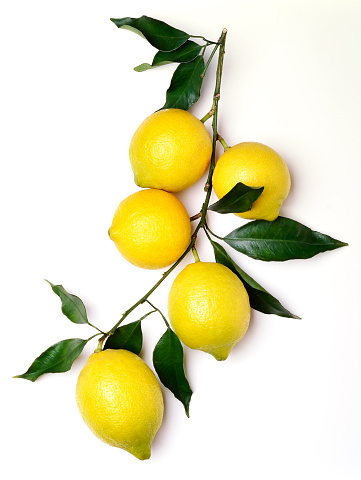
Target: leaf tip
25, 377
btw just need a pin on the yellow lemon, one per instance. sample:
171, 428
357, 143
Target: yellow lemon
255, 165
170, 150
120, 400
209, 308
151, 229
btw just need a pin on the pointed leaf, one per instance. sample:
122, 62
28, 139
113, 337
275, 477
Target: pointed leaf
127, 337
56, 359
185, 53
71, 306
168, 363
259, 298
280, 240
185, 87
159, 34
237, 200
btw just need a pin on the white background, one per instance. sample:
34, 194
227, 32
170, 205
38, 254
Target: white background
286, 404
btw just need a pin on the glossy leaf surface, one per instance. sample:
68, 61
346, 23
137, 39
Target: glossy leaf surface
168, 363
159, 34
71, 305
259, 298
185, 86
127, 337
56, 359
237, 200
184, 54
280, 240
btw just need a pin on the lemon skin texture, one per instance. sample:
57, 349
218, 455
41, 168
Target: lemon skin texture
151, 229
170, 150
209, 309
120, 400
255, 165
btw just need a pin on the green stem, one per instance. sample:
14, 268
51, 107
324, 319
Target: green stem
100, 343
195, 217
96, 328
206, 228
157, 309
195, 254
209, 42
210, 59
207, 116
223, 142
208, 186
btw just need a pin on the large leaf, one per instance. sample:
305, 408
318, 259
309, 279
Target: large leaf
259, 298
184, 54
71, 305
56, 359
159, 34
127, 337
185, 87
280, 240
168, 363
237, 200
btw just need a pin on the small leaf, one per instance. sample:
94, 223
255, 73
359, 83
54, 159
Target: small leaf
56, 359
185, 86
71, 305
127, 337
237, 200
159, 34
168, 363
185, 53
280, 240
259, 298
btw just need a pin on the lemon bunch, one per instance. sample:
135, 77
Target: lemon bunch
118, 395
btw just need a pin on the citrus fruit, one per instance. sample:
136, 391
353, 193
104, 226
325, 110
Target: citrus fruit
209, 308
151, 228
255, 165
170, 150
120, 400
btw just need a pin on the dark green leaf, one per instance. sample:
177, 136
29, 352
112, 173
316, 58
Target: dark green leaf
57, 358
168, 363
127, 337
280, 240
259, 298
159, 34
71, 306
237, 200
185, 87
186, 53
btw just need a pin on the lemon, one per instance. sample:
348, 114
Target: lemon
255, 165
151, 229
120, 400
209, 308
170, 150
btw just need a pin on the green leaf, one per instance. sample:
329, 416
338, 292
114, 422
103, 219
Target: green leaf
185, 87
185, 53
127, 337
259, 298
57, 358
71, 305
237, 200
159, 34
280, 240
168, 363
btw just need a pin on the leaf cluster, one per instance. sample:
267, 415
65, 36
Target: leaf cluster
167, 355
174, 46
